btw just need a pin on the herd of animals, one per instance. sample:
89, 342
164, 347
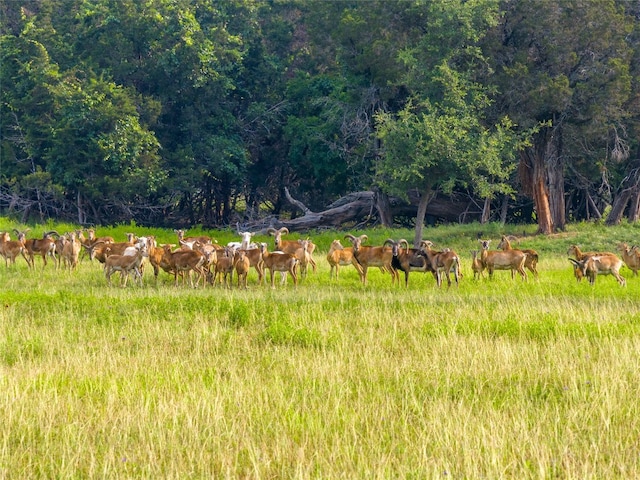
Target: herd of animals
208, 262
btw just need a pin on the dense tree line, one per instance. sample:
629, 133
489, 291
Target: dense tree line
177, 112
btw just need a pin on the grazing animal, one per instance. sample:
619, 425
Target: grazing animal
594, 265
339, 256
125, 264
476, 265
531, 262
503, 260
580, 255
279, 262
45, 247
242, 265
446, 261
10, 249
367, 256
185, 261
407, 259
630, 257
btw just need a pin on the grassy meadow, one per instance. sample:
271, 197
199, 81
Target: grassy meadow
494, 379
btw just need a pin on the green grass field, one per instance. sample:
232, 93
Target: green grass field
494, 379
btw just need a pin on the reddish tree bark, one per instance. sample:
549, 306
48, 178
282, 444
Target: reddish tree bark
542, 178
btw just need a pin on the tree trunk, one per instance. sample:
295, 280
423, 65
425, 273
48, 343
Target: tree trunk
81, 214
591, 206
634, 208
504, 210
555, 172
486, 211
540, 168
358, 207
383, 206
425, 198
543, 210
617, 209
627, 192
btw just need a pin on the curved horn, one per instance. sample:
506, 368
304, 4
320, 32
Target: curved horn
363, 238
284, 230
429, 244
402, 241
350, 237
391, 241
51, 232
271, 231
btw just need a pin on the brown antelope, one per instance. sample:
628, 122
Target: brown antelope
502, 260
476, 265
45, 247
407, 259
184, 261
445, 261
367, 256
630, 257
579, 256
10, 249
242, 264
339, 256
594, 265
279, 262
531, 263
125, 264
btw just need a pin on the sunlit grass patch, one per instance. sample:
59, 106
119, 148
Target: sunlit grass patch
493, 379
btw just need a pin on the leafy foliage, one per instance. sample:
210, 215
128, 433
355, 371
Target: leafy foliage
186, 112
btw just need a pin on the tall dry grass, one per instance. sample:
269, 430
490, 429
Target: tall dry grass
499, 379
